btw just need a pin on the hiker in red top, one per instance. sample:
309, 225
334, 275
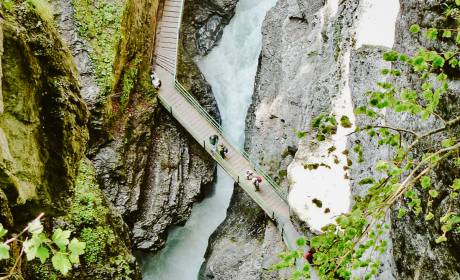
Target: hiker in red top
309, 255
256, 182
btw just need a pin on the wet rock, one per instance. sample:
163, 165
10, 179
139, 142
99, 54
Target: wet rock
64, 17
245, 246
209, 34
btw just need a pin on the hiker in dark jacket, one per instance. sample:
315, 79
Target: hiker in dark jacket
223, 151
214, 140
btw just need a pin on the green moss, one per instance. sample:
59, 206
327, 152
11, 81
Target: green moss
129, 82
43, 122
97, 241
87, 208
107, 252
43, 8
42, 271
8, 4
99, 23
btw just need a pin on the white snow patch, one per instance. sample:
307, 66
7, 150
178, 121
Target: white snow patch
332, 7
329, 185
377, 23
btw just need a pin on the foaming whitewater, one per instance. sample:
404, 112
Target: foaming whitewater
230, 69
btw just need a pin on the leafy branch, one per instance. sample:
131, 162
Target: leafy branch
37, 244
350, 242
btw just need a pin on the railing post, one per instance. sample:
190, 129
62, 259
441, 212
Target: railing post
238, 179
170, 109
204, 144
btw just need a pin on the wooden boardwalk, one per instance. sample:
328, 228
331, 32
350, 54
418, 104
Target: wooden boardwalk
201, 126
168, 35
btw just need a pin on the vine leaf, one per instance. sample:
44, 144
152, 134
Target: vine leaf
61, 262
4, 251
61, 238
2, 231
43, 254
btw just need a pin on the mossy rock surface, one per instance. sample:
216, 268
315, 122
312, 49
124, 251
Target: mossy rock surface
43, 120
92, 220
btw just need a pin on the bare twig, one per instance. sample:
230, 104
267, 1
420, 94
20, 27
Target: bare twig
24, 230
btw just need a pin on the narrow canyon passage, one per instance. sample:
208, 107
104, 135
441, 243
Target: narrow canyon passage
230, 68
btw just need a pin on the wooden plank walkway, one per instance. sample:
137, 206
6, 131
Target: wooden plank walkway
192, 117
167, 35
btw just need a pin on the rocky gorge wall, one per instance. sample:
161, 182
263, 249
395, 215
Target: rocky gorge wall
312, 53
147, 165
298, 72
44, 139
416, 254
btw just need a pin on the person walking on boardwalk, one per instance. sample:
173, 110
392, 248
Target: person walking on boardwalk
156, 82
249, 174
223, 151
214, 140
256, 182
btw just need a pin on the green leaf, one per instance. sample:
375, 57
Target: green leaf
366, 181
433, 193
447, 34
30, 249
301, 134
4, 251
391, 56
457, 2
446, 143
431, 34
440, 239
425, 181
425, 115
429, 216
300, 242
35, 227
456, 185
415, 28
61, 238
345, 122
382, 166
43, 254
3, 231
77, 247
316, 242
402, 212
61, 263
75, 259
385, 71
343, 221
438, 62
457, 39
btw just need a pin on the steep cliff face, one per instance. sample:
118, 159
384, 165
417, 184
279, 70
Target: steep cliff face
312, 56
416, 254
152, 170
44, 136
43, 118
245, 245
298, 76
365, 69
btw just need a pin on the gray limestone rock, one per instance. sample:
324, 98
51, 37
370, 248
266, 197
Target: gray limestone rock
245, 245
64, 16
416, 254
